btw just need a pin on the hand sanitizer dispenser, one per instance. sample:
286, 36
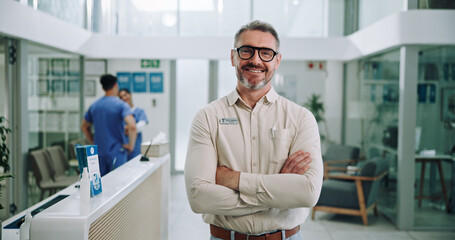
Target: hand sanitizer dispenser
85, 193
25, 227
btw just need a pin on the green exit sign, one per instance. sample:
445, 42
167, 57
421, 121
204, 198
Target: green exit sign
150, 63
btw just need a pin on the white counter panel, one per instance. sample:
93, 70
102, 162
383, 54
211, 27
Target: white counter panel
134, 201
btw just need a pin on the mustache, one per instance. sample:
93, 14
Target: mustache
251, 65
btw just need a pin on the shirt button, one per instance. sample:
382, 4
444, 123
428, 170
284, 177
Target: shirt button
254, 138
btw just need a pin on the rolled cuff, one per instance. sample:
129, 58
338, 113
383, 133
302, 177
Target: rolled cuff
248, 187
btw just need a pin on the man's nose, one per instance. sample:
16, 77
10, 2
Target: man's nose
256, 59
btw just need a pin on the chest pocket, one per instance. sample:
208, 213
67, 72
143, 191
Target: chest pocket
279, 149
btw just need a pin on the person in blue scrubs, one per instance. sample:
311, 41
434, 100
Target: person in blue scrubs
110, 116
141, 121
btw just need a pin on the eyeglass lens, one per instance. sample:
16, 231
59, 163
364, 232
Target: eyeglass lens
265, 54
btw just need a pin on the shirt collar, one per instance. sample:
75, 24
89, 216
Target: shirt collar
270, 97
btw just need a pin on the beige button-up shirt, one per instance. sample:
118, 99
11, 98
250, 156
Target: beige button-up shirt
255, 142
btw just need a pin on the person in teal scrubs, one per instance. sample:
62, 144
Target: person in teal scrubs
110, 116
141, 121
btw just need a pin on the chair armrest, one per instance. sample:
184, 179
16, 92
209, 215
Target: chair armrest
344, 176
328, 167
329, 162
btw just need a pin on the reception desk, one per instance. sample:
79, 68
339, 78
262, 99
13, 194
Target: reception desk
134, 204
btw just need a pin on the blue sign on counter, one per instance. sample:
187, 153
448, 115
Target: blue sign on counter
139, 82
124, 80
156, 82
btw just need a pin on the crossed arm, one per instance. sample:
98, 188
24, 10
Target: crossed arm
297, 163
221, 191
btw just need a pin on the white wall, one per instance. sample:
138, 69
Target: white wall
157, 115
307, 82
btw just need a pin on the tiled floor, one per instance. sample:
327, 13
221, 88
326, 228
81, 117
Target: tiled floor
184, 224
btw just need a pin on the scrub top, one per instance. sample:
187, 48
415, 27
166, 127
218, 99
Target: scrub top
139, 115
107, 115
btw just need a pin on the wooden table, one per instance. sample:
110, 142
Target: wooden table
436, 160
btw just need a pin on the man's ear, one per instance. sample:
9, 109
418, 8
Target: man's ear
232, 57
278, 60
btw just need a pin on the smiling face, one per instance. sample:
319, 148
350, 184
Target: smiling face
255, 74
125, 96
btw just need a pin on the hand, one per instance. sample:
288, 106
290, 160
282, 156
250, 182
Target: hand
127, 147
297, 163
228, 178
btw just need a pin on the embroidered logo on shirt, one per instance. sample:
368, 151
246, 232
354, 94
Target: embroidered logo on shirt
229, 121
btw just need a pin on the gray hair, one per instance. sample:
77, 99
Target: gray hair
259, 26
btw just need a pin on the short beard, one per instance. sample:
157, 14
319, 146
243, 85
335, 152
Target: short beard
250, 86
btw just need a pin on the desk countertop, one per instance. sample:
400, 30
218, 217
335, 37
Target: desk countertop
116, 185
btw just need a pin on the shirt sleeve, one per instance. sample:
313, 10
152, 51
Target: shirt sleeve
302, 190
126, 110
88, 116
204, 195
141, 116
140, 126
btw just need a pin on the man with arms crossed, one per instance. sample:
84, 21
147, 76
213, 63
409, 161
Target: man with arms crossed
109, 114
254, 165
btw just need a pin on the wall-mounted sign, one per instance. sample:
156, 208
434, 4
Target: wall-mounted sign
124, 80
150, 63
156, 82
139, 82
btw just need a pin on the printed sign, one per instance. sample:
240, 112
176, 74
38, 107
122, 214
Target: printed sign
150, 63
139, 82
124, 80
156, 82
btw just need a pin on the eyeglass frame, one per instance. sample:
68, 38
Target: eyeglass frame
258, 49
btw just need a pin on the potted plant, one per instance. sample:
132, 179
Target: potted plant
4, 152
316, 106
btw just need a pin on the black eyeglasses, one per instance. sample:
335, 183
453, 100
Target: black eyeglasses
247, 52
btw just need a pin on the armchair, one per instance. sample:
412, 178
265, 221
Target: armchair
353, 194
337, 157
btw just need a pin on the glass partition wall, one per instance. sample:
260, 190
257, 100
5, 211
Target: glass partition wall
53, 102
435, 139
4, 103
372, 116
372, 123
